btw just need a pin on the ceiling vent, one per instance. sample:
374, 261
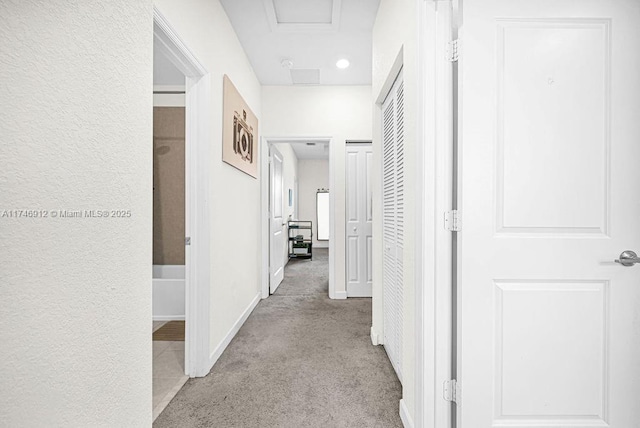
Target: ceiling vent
305, 76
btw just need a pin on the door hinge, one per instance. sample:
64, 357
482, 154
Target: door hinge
452, 221
187, 240
451, 391
453, 50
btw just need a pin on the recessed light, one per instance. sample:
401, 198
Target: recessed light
342, 63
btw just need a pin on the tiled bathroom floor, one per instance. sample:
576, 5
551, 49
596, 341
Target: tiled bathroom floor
158, 324
168, 371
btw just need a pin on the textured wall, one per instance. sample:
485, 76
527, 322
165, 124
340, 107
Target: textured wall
388, 40
341, 112
168, 185
235, 196
75, 134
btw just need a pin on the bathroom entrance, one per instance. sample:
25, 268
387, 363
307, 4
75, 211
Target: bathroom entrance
169, 309
181, 225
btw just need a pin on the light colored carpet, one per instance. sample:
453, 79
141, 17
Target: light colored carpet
300, 360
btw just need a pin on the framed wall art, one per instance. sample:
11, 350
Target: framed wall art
239, 131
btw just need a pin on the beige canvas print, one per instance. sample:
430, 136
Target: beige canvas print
239, 132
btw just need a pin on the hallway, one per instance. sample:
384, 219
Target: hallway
300, 360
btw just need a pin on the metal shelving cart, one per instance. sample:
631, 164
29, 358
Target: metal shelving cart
300, 239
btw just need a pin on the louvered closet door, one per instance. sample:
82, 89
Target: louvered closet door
393, 220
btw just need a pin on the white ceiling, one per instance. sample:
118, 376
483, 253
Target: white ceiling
313, 34
309, 150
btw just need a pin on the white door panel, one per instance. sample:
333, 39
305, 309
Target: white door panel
359, 220
277, 233
548, 328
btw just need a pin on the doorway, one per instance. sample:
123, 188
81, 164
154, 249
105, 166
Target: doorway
537, 180
296, 171
181, 302
548, 319
168, 285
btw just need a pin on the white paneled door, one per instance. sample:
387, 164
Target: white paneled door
393, 221
359, 219
549, 324
277, 230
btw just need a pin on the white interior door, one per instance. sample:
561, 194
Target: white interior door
359, 220
549, 325
277, 231
393, 222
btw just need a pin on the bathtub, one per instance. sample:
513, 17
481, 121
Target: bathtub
168, 292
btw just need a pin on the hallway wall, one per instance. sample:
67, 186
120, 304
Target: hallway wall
390, 42
76, 133
341, 112
314, 175
235, 230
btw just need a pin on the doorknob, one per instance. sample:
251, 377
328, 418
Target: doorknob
355, 229
628, 258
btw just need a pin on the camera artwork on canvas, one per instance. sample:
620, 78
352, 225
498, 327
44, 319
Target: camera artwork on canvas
242, 137
239, 131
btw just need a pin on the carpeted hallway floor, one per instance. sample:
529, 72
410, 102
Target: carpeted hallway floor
300, 360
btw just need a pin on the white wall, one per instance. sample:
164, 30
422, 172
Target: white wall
75, 134
235, 229
340, 112
314, 175
389, 39
289, 177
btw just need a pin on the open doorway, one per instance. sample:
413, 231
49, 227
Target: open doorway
181, 232
299, 207
169, 308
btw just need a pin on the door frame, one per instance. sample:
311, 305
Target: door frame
266, 215
434, 261
197, 190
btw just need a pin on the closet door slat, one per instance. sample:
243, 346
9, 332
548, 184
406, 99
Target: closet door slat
393, 221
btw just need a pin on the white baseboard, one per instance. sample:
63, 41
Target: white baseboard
407, 421
168, 318
359, 290
339, 295
375, 339
233, 331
